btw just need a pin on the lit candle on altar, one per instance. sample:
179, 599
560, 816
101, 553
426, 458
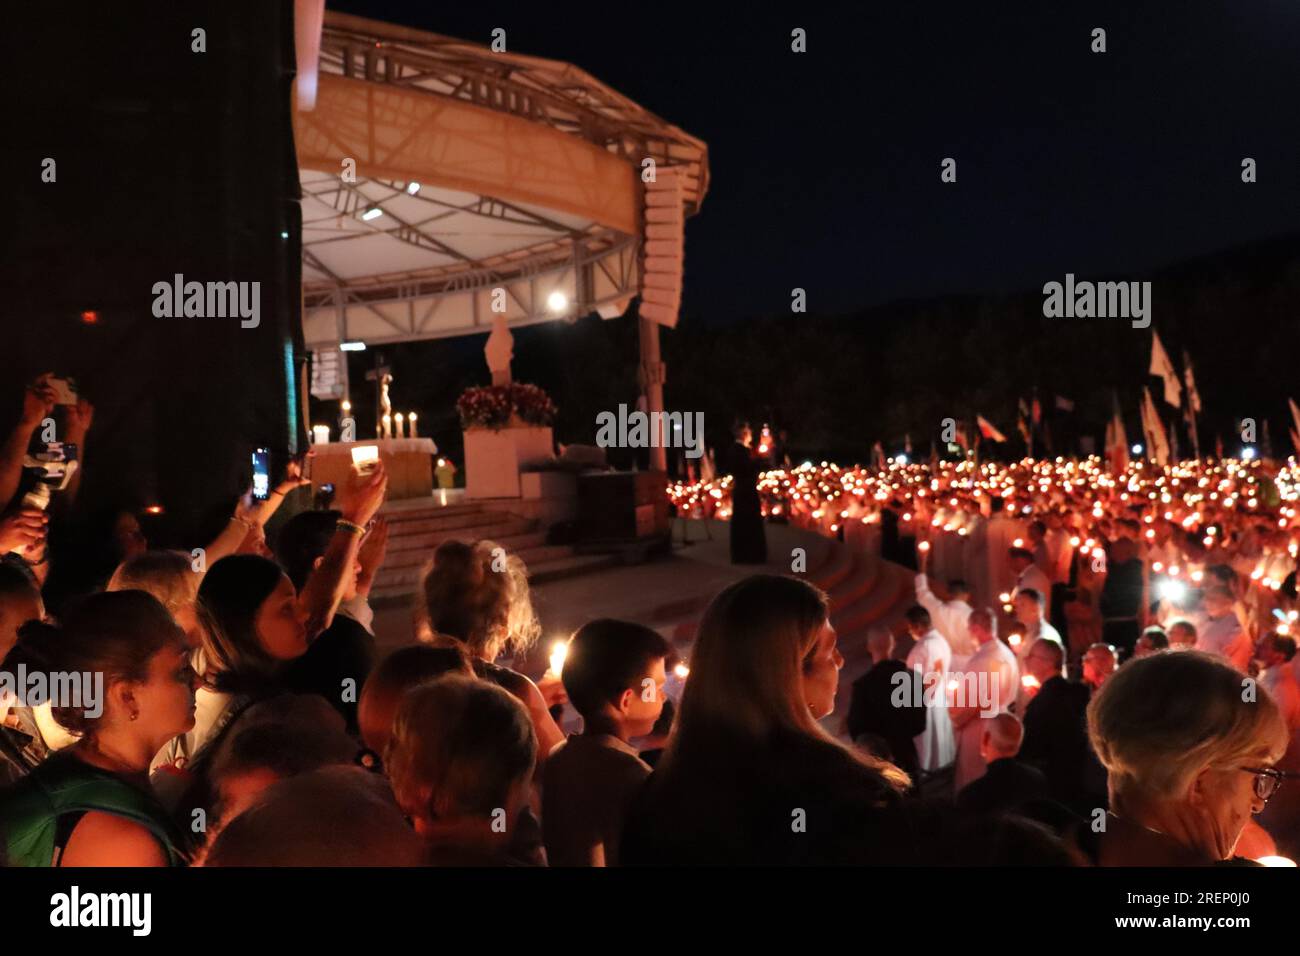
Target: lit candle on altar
320, 434
388, 426
923, 547
413, 433
400, 420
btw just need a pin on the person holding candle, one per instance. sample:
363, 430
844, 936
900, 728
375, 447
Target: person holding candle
614, 676
476, 595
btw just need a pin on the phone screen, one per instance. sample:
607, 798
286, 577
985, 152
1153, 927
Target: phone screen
262, 474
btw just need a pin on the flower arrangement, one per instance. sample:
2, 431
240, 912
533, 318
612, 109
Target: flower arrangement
498, 406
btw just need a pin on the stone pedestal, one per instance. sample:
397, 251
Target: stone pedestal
494, 459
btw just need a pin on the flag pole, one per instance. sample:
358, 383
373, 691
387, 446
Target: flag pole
1193, 399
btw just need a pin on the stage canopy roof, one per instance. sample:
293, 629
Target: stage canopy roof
479, 176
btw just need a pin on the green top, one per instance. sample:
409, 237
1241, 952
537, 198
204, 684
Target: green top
36, 813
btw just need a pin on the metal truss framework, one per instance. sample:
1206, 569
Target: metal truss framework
598, 265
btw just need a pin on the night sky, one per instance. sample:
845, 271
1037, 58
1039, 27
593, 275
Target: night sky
826, 165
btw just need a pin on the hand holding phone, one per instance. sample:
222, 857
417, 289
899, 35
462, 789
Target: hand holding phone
262, 474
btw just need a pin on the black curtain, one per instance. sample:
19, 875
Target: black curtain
168, 161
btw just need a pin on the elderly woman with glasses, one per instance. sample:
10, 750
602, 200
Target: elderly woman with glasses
1189, 744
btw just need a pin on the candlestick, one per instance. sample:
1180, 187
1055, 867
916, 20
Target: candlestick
412, 421
400, 421
388, 426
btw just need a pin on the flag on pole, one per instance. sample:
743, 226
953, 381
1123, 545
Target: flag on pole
1022, 423
1160, 365
987, 429
1116, 436
1193, 396
1036, 410
1157, 441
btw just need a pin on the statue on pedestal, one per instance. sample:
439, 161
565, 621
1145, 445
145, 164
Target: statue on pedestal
499, 350
385, 407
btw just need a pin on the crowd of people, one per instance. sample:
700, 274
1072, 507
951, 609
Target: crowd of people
234, 710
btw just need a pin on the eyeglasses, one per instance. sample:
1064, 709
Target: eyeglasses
1267, 780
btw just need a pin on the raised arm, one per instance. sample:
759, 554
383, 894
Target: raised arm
38, 402
323, 591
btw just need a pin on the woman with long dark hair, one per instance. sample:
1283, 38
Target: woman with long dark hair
749, 775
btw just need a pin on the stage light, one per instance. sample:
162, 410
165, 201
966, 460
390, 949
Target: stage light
557, 301
412, 188
283, 234
1137, 449
1170, 590
90, 317
374, 212
353, 347
154, 509
1247, 453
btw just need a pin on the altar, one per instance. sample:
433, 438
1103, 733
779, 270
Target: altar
409, 462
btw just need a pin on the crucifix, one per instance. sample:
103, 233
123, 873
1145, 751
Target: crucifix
381, 375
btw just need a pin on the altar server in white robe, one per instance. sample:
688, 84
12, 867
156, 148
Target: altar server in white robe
950, 617
935, 747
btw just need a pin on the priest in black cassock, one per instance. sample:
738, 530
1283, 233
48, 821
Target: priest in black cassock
748, 538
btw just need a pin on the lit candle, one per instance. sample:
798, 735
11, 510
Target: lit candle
388, 426
320, 434
400, 420
412, 421
559, 651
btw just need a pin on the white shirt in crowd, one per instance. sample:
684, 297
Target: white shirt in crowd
998, 662
1281, 684
1033, 577
1222, 637
951, 619
935, 747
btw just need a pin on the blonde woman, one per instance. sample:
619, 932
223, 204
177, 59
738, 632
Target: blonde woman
170, 577
749, 776
1189, 744
476, 596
